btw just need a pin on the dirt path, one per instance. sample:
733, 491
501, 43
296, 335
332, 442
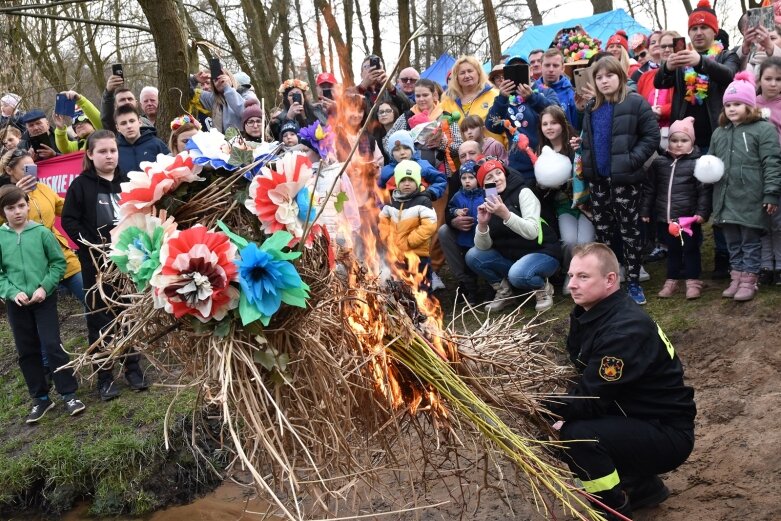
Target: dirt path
733, 361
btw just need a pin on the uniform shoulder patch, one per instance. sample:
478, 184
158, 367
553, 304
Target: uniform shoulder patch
611, 369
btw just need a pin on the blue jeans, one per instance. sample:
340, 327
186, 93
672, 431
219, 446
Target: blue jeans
745, 247
74, 285
528, 272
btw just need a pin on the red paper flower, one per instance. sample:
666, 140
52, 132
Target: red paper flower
196, 275
155, 180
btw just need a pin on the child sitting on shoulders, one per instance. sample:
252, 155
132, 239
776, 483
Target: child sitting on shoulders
465, 203
673, 191
31, 266
473, 129
408, 223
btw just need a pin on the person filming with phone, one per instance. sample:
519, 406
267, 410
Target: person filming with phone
373, 77
296, 107
518, 107
514, 247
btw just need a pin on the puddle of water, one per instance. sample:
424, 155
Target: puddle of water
229, 502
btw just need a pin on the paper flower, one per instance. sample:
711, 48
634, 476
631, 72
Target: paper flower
136, 243
274, 195
213, 149
148, 186
197, 271
319, 138
267, 277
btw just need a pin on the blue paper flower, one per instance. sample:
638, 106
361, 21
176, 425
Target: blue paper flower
304, 208
267, 277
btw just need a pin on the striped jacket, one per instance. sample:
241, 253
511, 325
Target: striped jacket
408, 223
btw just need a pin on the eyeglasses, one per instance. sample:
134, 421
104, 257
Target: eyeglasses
668, 46
642, 54
383, 112
408, 80
254, 122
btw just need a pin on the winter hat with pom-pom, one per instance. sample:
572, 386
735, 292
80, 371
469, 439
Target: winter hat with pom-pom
742, 89
704, 14
709, 169
552, 169
620, 38
251, 110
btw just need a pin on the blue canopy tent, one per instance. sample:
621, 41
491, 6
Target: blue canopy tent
601, 26
439, 69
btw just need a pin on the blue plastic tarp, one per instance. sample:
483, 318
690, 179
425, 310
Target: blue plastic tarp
439, 69
601, 26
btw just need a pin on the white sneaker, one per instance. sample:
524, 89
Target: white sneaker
436, 282
544, 297
565, 286
644, 276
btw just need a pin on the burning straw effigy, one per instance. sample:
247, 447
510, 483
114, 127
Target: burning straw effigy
339, 389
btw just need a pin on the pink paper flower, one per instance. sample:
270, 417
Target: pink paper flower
148, 186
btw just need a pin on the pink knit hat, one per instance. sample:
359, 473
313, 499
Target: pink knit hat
743, 89
685, 126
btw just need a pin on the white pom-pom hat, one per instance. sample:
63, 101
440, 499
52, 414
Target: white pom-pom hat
709, 169
552, 169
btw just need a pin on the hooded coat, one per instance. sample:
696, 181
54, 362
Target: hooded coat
145, 148
672, 190
28, 260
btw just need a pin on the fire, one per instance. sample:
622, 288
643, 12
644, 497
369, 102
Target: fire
376, 262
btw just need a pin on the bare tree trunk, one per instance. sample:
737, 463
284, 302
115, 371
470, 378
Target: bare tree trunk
374, 15
404, 32
688, 6
284, 27
416, 43
348, 28
233, 42
336, 35
307, 58
362, 27
264, 75
320, 46
172, 58
116, 30
603, 6
493, 32
534, 11
439, 29
429, 18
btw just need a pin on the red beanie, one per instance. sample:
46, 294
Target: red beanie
486, 167
620, 38
704, 15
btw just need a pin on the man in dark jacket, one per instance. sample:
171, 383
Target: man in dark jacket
38, 135
116, 95
372, 79
136, 144
718, 69
630, 402
553, 77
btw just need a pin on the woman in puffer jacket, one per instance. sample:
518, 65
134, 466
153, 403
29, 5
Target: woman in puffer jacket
672, 192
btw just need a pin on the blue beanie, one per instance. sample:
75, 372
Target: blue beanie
400, 137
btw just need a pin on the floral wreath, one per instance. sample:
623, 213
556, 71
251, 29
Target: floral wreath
576, 45
293, 84
183, 120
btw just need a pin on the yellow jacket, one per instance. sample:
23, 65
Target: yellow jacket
45, 205
408, 225
478, 107
64, 144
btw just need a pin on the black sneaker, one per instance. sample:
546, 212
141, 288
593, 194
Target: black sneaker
766, 276
646, 492
39, 409
74, 406
107, 391
135, 380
